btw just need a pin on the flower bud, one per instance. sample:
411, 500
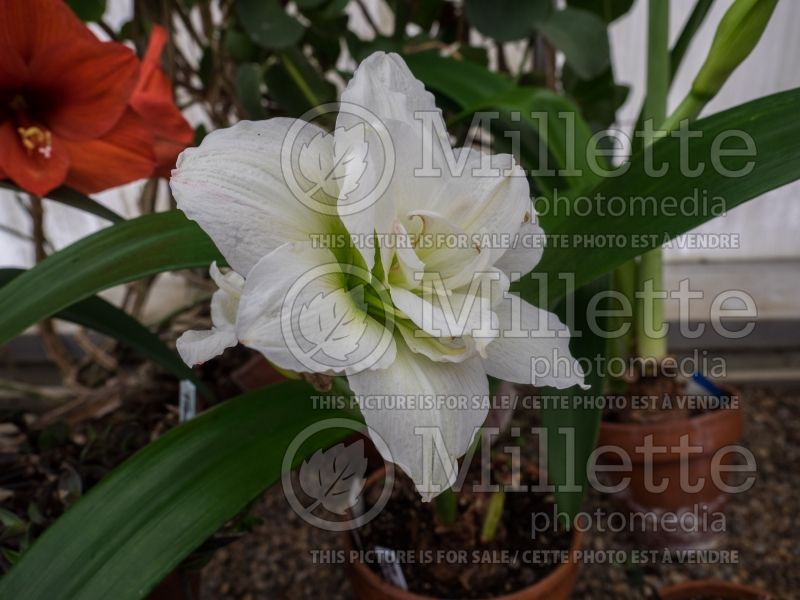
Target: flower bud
737, 35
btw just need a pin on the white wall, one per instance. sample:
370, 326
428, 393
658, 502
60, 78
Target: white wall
767, 225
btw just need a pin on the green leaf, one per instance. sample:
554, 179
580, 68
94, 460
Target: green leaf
103, 317
581, 35
567, 456
88, 10
248, 88
267, 23
75, 199
138, 523
608, 10
465, 83
771, 123
599, 98
552, 136
296, 85
124, 252
474, 88
239, 46
507, 20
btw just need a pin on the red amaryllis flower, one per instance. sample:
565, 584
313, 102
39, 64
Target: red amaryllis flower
153, 101
66, 106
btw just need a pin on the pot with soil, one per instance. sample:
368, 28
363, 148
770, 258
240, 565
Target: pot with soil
688, 435
458, 561
712, 590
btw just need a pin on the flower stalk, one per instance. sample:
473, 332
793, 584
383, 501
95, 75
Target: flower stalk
650, 344
494, 514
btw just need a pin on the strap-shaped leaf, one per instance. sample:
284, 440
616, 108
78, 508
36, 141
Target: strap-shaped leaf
124, 252
526, 113
103, 317
137, 524
772, 125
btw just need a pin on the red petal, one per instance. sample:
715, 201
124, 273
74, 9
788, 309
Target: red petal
153, 101
123, 155
30, 171
28, 26
87, 85
170, 130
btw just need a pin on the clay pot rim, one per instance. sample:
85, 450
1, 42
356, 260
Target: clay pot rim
665, 426
560, 572
720, 427
712, 586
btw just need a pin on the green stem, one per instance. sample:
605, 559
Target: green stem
678, 52
447, 506
689, 109
655, 110
623, 346
658, 62
493, 517
687, 34
652, 345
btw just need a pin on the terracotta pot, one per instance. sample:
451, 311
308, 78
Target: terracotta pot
255, 374
696, 590
558, 585
711, 432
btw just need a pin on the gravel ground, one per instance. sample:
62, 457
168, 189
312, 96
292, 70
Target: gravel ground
275, 560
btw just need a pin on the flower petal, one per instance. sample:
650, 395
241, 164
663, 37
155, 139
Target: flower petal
92, 81
448, 315
233, 186
489, 196
381, 99
384, 85
32, 171
122, 155
153, 101
525, 354
197, 347
409, 431
525, 252
27, 28
298, 313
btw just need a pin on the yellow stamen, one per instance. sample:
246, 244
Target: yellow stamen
36, 139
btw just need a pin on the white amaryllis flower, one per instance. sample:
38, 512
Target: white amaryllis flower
415, 312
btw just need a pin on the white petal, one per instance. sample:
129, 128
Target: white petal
491, 197
436, 348
196, 347
453, 315
234, 187
384, 85
296, 311
383, 98
525, 354
416, 379
231, 282
525, 253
